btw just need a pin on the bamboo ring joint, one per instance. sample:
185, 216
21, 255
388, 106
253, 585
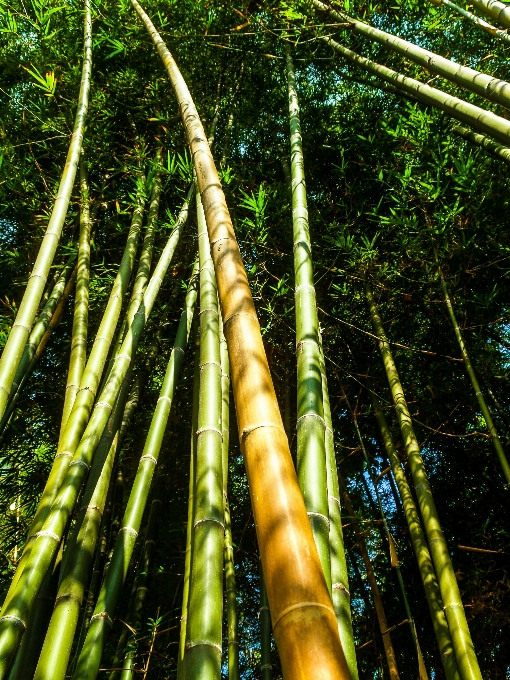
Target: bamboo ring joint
301, 605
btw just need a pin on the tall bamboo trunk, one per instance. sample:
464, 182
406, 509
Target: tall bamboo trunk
339, 572
89, 659
485, 142
304, 621
480, 119
493, 89
22, 326
374, 588
202, 658
496, 441
461, 638
488, 28
228, 548
427, 572
495, 9
311, 428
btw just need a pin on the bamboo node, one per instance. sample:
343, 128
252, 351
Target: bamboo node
311, 415
149, 457
105, 404
64, 453
50, 534
208, 519
164, 398
126, 356
178, 349
104, 616
318, 514
248, 430
211, 363
129, 530
209, 429
310, 286
67, 596
22, 325
266, 665
306, 342
12, 617
264, 608
328, 429
253, 316
198, 643
79, 462
222, 238
451, 606
301, 605
340, 586
207, 309
335, 500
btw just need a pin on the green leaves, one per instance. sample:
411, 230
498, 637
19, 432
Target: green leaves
46, 82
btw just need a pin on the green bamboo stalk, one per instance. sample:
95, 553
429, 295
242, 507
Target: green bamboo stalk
191, 506
493, 89
202, 656
16, 611
427, 572
476, 117
82, 406
90, 656
477, 21
495, 9
393, 558
228, 549
266, 667
78, 356
311, 451
485, 142
496, 441
339, 572
461, 638
20, 331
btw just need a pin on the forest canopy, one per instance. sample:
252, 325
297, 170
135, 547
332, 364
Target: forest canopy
254, 266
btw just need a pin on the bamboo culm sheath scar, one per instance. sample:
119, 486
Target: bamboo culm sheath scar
304, 621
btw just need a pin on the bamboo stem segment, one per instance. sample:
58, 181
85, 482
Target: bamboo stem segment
304, 621
461, 638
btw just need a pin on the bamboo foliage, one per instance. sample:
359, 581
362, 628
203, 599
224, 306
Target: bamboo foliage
427, 572
311, 428
493, 89
20, 331
480, 119
304, 621
461, 638
202, 656
496, 441
90, 656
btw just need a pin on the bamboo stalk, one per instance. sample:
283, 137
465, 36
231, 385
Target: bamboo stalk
311, 428
202, 656
495, 9
191, 509
304, 621
228, 549
90, 656
427, 572
22, 326
78, 356
461, 638
493, 89
496, 442
485, 142
47, 540
339, 572
480, 119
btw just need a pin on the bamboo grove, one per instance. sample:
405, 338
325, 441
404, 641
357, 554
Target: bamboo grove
254, 413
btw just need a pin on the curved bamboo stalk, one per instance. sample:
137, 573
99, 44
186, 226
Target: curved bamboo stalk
90, 656
496, 441
202, 656
266, 667
304, 621
427, 572
459, 630
82, 406
47, 540
311, 428
376, 595
495, 9
486, 143
22, 326
482, 120
228, 548
477, 21
493, 89
339, 573
191, 509
78, 356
